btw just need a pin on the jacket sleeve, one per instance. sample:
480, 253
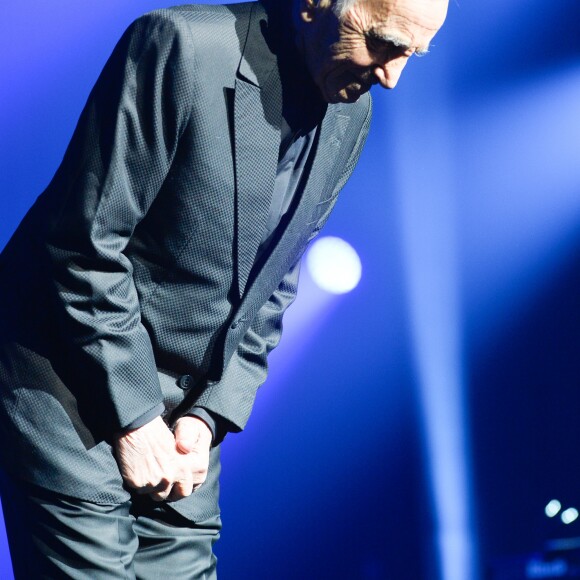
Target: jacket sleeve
118, 158
233, 396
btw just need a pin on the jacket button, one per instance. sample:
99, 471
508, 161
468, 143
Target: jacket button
185, 382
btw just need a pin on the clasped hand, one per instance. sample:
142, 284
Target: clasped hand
167, 466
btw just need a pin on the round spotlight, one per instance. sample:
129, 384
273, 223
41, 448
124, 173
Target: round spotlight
553, 508
334, 265
570, 515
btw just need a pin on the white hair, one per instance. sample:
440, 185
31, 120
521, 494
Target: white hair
341, 7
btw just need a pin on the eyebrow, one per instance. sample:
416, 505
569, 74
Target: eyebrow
397, 41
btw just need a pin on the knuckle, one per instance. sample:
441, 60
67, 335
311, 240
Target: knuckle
199, 477
200, 469
140, 483
181, 492
150, 483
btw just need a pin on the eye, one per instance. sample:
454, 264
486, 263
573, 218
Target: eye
379, 45
385, 48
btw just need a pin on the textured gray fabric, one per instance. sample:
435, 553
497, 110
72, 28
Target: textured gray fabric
141, 253
172, 546
54, 536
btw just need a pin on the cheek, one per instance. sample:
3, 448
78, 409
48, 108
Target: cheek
341, 73
354, 53
361, 57
353, 63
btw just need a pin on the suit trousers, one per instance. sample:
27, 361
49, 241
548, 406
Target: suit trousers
58, 537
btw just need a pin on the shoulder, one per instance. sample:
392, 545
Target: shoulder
211, 23
213, 33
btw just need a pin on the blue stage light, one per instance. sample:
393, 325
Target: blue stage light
334, 265
553, 508
569, 515
429, 204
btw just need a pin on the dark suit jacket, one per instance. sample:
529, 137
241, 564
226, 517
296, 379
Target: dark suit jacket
138, 263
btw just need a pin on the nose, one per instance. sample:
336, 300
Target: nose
388, 73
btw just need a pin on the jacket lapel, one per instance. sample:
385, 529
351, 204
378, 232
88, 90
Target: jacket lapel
319, 184
257, 121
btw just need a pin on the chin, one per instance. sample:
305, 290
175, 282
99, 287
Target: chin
349, 95
332, 97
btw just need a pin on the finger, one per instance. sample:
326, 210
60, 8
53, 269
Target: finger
199, 473
149, 479
160, 493
159, 483
194, 466
187, 434
181, 489
189, 475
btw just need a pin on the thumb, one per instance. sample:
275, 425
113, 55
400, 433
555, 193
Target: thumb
186, 434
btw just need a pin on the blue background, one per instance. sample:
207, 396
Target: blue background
416, 427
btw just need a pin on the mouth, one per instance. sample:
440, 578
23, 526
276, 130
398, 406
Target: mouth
350, 93
363, 82
359, 88
353, 87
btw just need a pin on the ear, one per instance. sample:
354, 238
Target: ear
310, 9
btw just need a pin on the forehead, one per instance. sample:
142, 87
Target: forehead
418, 20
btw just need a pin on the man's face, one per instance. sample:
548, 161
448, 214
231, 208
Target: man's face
370, 44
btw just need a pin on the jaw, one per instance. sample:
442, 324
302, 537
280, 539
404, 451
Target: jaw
345, 85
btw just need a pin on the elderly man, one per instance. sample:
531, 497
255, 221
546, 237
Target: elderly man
143, 291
